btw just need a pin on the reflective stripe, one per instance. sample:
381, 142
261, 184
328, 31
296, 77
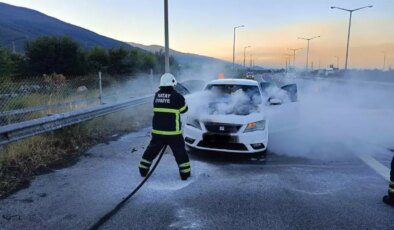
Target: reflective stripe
143, 166
165, 110
185, 170
166, 132
183, 108
146, 161
177, 122
184, 164
177, 118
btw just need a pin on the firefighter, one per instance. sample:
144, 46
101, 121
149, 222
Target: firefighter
168, 104
389, 199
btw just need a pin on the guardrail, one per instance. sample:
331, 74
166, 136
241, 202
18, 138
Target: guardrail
18, 131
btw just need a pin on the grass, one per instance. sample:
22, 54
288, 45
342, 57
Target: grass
21, 161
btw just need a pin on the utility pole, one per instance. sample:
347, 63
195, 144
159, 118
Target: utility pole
236, 27
384, 60
307, 51
13, 47
166, 39
251, 60
294, 54
245, 54
350, 24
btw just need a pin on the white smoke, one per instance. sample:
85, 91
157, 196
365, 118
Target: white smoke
212, 102
333, 119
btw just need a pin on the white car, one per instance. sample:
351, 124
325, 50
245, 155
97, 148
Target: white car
229, 116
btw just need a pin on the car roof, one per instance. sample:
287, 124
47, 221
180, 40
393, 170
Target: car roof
233, 82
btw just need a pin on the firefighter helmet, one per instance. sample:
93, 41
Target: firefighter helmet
168, 80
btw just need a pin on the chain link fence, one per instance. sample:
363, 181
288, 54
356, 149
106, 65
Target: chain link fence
118, 88
35, 97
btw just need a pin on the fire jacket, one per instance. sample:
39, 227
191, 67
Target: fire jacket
168, 104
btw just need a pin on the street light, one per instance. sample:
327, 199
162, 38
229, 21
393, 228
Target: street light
350, 24
384, 60
166, 39
307, 52
294, 54
245, 54
288, 60
236, 27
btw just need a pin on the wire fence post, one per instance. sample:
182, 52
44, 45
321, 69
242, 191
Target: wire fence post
100, 88
151, 79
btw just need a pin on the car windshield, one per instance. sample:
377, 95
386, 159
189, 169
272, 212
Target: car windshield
233, 99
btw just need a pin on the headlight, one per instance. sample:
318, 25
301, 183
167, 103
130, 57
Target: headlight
255, 126
194, 123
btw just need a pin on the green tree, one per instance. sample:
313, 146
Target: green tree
55, 55
11, 64
98, 59
174, 65
117, 60
148, 62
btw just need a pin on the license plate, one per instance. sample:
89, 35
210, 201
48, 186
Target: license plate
212, 137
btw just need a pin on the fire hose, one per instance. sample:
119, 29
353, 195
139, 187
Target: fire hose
119, 206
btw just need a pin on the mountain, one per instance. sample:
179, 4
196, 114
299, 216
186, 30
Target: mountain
182, 58
18, 24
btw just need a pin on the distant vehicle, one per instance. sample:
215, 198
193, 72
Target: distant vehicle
233, 117
329, 71
250, 76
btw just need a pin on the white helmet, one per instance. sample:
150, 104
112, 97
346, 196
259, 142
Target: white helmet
168, 79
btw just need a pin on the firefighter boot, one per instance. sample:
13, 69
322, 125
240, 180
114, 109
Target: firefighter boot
184, 170
144, 167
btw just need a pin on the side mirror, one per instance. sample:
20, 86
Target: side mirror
274, 101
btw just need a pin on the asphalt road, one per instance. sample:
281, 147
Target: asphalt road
225, 192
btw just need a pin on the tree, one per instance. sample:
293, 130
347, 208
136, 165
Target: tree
11, 64
98, 59
55, 55
148, 62
160, 56
117, 61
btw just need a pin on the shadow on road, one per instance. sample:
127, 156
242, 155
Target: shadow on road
227, 158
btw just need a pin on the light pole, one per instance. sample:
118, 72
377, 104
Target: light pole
245, 54
350, 24
294, 54
166, 39
307, 51
337, 61
384, 60
288, 60
236, 27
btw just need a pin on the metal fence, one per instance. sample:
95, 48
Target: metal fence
36, 97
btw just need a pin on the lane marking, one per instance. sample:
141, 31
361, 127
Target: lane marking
375, 165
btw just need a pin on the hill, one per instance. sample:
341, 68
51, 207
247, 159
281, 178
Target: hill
18, 24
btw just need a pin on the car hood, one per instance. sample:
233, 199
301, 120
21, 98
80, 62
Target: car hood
233, 119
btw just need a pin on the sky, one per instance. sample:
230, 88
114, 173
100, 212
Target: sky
271, 27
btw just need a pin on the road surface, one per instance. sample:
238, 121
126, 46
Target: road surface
224, 192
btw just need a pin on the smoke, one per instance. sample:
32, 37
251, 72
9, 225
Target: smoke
334, 119
214, 102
